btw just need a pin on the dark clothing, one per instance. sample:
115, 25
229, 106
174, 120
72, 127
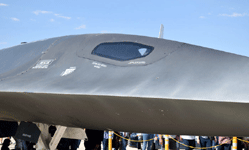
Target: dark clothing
51, 130
94, 139
6, 144
124, 142
189, 143
172, 144
225, 140
147, 144
30, 145
20, 144
177, 143
214, 143
5, 148
133, 138
205, 142
224, 147
105, 144
74, 144
63, 144
105, 140
240, 144
115, 141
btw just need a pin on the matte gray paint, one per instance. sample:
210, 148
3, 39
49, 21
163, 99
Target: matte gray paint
181, 89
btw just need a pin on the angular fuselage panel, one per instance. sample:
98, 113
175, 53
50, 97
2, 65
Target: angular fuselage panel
169, 87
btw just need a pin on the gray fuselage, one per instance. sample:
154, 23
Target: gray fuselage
177, 88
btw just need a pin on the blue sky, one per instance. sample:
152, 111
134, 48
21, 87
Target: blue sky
218, 24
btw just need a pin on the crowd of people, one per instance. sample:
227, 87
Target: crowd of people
157, 142
143, 141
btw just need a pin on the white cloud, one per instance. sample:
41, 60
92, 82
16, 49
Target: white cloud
234, 15
3, 43
202, 17
80, 18
2, 4
37, 12
81, 27
32, 19
14, 19
65, 17
51, 20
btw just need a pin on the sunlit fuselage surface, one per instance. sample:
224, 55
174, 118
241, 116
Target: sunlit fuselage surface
130, 83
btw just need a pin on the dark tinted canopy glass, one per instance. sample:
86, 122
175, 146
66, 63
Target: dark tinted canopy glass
122, 50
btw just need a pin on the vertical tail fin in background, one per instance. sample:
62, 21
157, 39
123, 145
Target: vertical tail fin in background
161, 31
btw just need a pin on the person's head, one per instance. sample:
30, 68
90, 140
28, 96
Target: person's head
6, 142
52, 130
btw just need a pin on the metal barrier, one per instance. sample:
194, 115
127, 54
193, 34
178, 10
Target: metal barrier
167, 142
110, 141
234, 143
